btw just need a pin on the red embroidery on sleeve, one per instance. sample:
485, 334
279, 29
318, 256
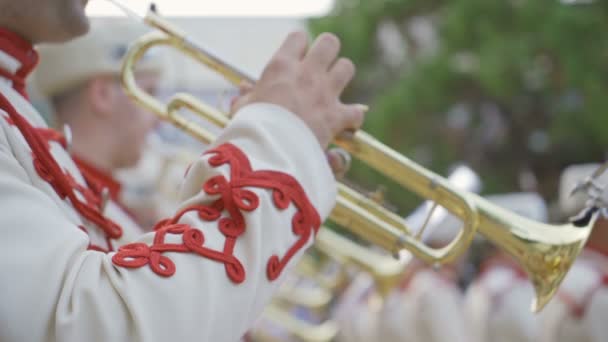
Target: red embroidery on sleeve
233, 200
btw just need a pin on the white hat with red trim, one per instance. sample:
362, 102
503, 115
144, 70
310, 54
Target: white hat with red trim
101, 51
527, 204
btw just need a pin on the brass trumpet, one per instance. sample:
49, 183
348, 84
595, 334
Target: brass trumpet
305, 331
316, 298
546, 252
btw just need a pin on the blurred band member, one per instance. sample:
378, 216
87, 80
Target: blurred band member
82, 80
497, 303
578, 311
427, 305
356, 311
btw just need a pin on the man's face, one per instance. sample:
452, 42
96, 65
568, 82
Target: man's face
133, 123
46, 20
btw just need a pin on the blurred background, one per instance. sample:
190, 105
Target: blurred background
516, 89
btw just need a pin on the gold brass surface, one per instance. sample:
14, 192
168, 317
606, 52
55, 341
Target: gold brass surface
306, 331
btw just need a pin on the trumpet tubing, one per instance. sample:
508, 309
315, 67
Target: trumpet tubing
306, 331
316, 299
309, 268
545, 251
386, 271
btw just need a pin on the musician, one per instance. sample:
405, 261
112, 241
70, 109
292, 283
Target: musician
578, 310
71, 273
356, 310
109, 131
427, 304
497, 303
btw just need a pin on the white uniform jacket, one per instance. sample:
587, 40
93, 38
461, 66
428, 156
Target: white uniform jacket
426, 308
497, 306
356, 311
579, 310
73, 270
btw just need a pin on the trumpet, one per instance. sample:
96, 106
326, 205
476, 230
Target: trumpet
386, 271
305, 331
546, 252
314, 298
329, 276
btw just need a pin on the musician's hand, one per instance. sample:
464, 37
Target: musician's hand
339, 160
308, 81
241, 99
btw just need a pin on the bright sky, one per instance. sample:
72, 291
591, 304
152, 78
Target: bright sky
231, 8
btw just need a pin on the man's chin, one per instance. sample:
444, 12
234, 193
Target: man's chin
75, 29
77, 24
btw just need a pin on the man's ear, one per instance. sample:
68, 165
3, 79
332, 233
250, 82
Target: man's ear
101, 95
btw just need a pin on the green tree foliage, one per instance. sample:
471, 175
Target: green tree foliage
515, 88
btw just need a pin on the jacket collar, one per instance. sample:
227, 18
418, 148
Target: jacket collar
99, 178
17, 60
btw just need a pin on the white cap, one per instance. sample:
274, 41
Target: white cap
527, 204
101, 51
571, 176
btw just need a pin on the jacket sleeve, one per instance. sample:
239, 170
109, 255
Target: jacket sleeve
252, 203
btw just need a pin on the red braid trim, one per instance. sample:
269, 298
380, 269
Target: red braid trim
24, 52
234, 199
49, 170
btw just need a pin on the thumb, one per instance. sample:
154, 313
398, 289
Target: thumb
339, 161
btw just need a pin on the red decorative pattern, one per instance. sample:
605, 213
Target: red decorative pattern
97, 180
49, 134
21, 50
38, 138
49, 170
233, 200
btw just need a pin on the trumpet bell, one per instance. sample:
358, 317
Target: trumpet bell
546, 252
